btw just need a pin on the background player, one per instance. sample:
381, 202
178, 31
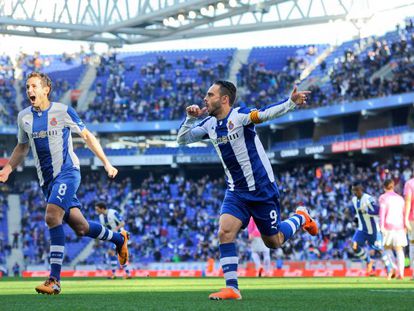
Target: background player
391, 214
409, 219
251, 191
366, 211
46, 127
112, 220
257, 248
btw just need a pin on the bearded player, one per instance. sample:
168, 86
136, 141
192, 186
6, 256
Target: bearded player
251, 187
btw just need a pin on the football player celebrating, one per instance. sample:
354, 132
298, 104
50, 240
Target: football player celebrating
46, 127
251, 187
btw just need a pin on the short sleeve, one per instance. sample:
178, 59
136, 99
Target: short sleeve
22, 137
73, 121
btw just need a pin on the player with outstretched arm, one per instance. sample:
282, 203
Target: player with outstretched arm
251, 187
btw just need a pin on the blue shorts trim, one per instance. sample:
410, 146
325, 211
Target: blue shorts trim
262, 204
374, 241
62, 190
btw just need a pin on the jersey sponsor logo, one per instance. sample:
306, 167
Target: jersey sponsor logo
44, 134
225, 139
53, 122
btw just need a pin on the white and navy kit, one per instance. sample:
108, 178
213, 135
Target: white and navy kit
49, 134
366, 211
252, 190
111, 220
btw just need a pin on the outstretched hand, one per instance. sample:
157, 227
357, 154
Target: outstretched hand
299, 98
195, 112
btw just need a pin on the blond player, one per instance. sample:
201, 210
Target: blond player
409, 218
392, 208
258, 247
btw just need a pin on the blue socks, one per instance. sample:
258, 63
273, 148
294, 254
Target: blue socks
229, 262
291, 225
97, 231
57, 249
362, 254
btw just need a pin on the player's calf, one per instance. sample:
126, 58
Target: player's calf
123, 249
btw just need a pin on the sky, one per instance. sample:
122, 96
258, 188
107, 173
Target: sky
333, 33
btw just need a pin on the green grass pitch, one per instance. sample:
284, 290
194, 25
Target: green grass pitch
191, 294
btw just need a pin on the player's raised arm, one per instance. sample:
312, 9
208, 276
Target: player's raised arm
96, 148
188, 133
297, 98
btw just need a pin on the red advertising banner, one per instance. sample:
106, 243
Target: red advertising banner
367, 143
280, 273
3, 162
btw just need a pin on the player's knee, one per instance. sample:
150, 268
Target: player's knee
81, 230
226, 235
51, 220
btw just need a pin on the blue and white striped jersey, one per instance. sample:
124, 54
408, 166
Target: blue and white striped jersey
111, 220
243, 157
366, 210
49, 135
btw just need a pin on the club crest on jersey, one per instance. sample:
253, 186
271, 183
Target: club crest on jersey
230, 125
53, 122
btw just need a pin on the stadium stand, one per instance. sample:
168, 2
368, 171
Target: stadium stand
4, 233
155, 205
154, 86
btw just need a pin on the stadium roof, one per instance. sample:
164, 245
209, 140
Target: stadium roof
119, 22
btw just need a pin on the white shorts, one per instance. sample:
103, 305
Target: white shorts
395, 238
258, 246
411, 233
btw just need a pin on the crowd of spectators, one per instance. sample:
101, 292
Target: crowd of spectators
351, 76
162, 87
173, 218
264, 86
159, 90
5, 246
8, 109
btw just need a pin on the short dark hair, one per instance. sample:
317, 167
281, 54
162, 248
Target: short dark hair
101, 205
227, 88
388, 183
357, 184
46, 81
